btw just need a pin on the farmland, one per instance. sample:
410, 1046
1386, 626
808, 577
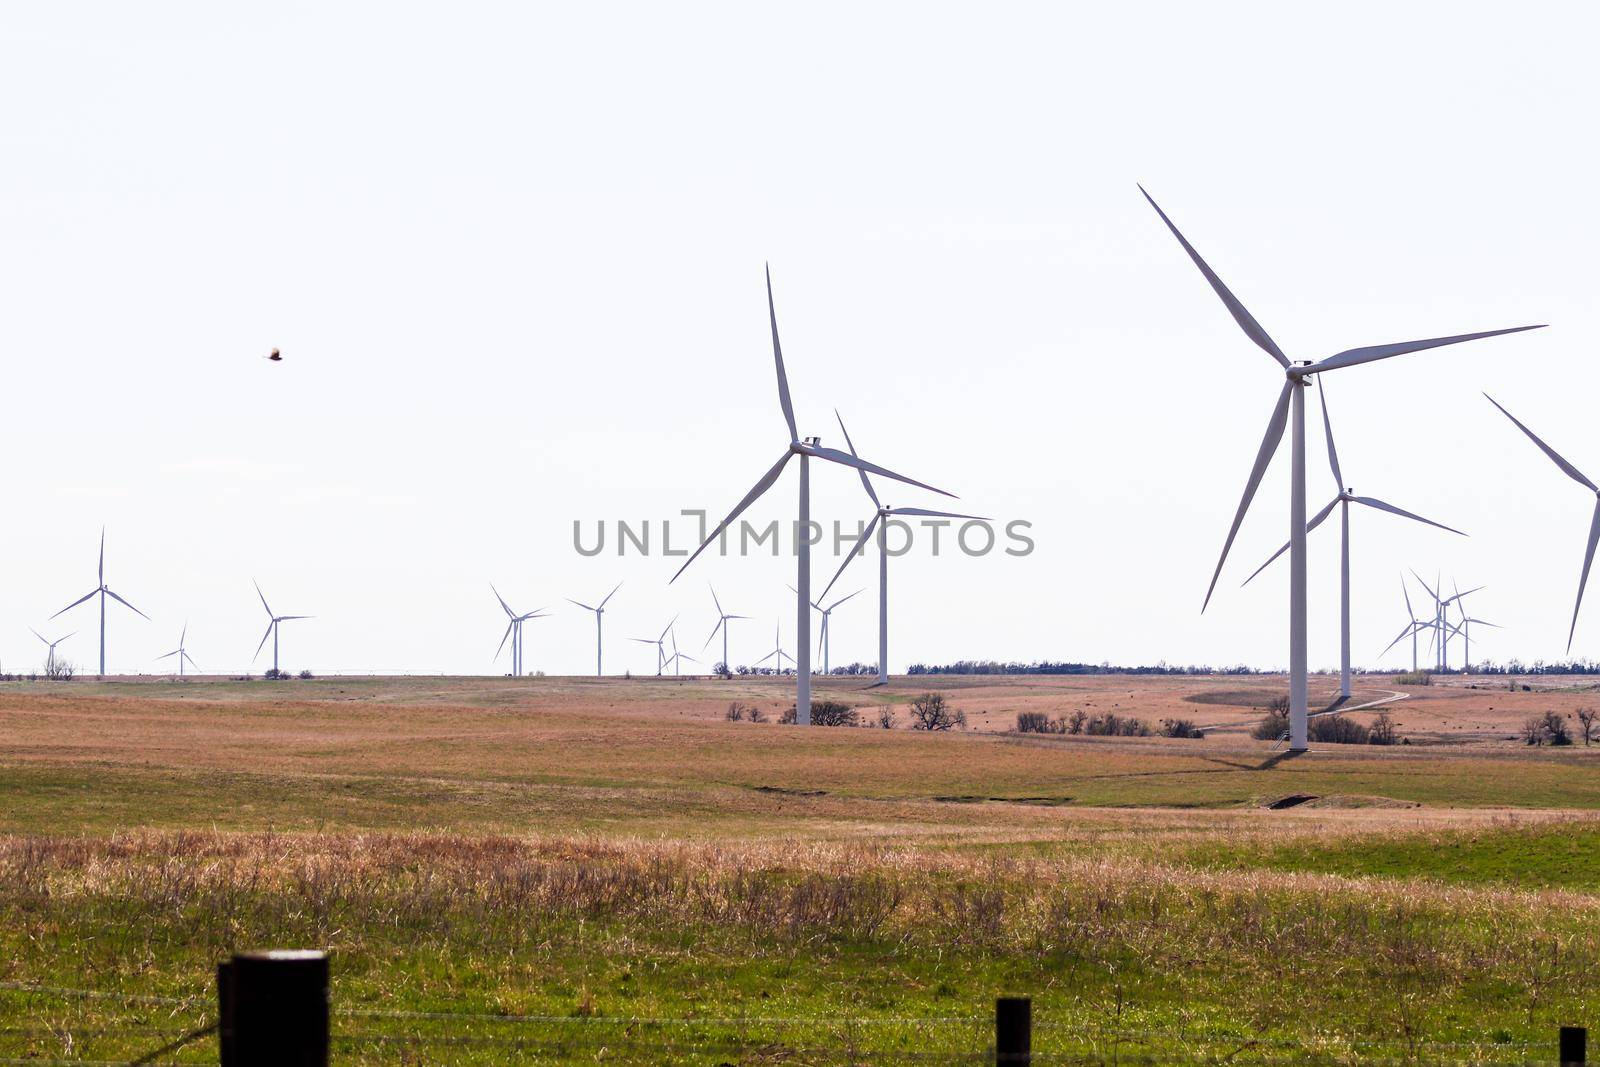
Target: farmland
583, 851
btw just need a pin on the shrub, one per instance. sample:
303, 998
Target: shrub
1074, 722
886, 716
1414, 678
1111, 724
1338, 730
1586, 721
735, 712
1180, 728
1275, 725
306, 676
1033, 722
59, 670
1547, 729
756, 714
273, 674
1383, 732
720, 670
826, 713
931, 711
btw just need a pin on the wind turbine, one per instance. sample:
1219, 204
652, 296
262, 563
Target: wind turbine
513, 632
102, 591
806, 450
1465, 627
272, 628
880, 522
1413, 628
722, 624
777, 639
50, 656
660, 643
599, 631
1290, 407
181, 652
677, 658
1594, 523
826, 613
1346, 496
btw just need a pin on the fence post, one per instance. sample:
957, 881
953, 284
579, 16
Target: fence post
1013, 1030
1574, 1040
273, 1009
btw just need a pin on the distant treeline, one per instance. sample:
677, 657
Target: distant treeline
990, 666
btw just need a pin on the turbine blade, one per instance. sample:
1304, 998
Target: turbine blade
37, 634
509, 613
1426, 586
503, 638
668, 627
610, 595
722, 620
714, 599
749, 498
167, 655
1403, 635
1407, 594
580, 604
836, 603
1327, 425
777, 357
263, 643
1246, 321
1583, 580
192, 663
287, 618
102, 555
263, 597
1571, 471
1269, 445
75, 603
1351, 357
1374, 502
854, 549
835, 456
127, 605
1318, 520
925, 513
865, 483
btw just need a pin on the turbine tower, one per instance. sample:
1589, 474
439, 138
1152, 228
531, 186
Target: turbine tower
599, 628
1290, 408
880, 522
272, 628
181, 652
102, 591
1594, 523
722, 624
806, 450
660, 643
50, 655
1346, 496
513, 631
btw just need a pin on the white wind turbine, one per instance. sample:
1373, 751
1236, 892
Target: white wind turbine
661, 645
677, 658
1466, 625
181, 652
1412, 629
806, 450
1345, 497
599, 628
272, 627
1594, 523
1442, 626
880, 522
1290, 407
102, 591
513, 631
827, 612
722, 624
50, 655
781, 655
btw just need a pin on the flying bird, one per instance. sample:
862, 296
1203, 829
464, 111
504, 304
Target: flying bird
275, 357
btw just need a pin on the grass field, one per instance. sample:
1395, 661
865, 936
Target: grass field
560, 869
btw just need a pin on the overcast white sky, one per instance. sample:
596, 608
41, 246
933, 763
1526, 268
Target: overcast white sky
512, 254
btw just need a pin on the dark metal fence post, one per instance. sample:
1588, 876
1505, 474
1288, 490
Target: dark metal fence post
1574, 1042
1013, 1030
274, 1009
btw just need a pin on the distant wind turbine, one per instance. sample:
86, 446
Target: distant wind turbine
1342, 501
1412, 629
780, 654
1594, 523
677, 658
880, 522
102, 591
272, 627
806, 450
513, 631
827, 612
660, 643
722, 624
50, 656
1290, 407
1466, 625
181, 652
599, 629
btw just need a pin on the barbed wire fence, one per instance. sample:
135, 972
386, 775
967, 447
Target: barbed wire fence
196, 1028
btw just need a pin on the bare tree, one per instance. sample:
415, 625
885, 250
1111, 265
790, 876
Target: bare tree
1586, 722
